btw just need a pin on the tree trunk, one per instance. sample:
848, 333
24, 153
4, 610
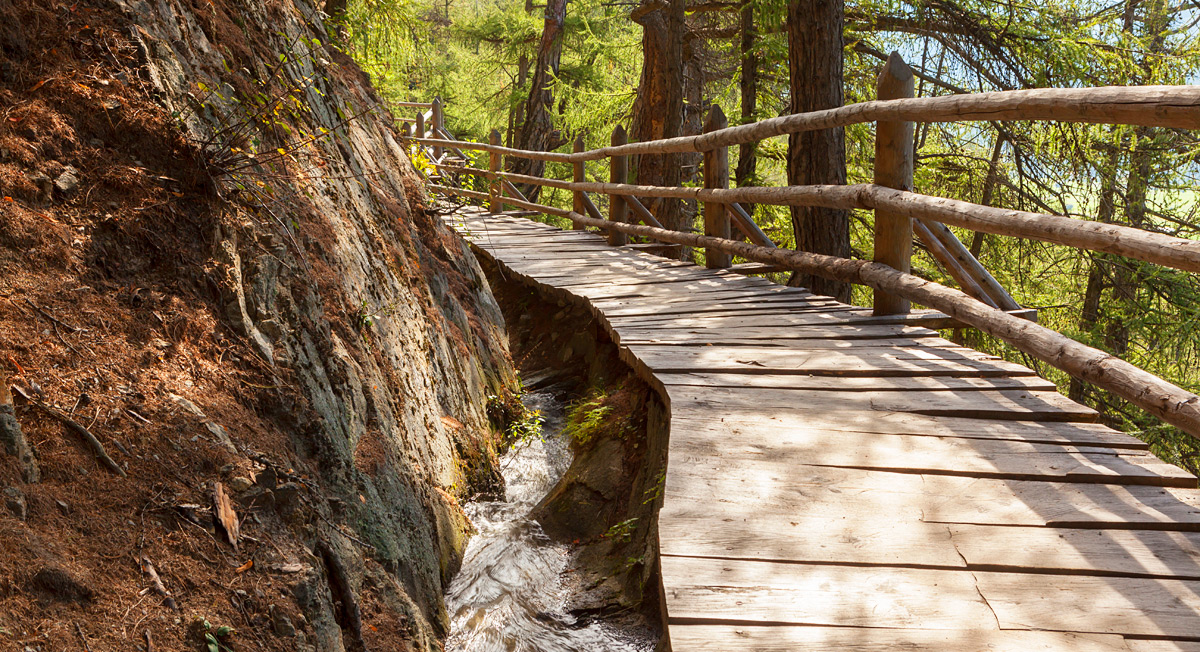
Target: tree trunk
658, 109
537, 132
747, 166
814, 32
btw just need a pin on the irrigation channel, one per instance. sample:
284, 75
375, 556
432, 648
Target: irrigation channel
512, 593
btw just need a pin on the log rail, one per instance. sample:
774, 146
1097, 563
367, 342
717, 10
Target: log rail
899, 211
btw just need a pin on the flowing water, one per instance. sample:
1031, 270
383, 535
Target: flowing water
510, 595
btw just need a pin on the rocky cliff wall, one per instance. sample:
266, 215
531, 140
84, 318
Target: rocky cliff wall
214, 256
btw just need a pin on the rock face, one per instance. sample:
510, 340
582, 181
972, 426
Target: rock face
374, 320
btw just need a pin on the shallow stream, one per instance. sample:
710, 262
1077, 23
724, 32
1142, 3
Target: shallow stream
510, 595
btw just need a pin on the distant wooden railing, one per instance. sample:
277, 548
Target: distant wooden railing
982, 303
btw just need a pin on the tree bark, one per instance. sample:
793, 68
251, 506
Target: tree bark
747, 166
537, 132
658, 109
814, 33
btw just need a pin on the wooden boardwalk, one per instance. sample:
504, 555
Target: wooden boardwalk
837, 481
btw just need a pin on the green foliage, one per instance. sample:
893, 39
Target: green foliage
621, 532
588, 418
509, 415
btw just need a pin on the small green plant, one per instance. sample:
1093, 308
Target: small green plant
621, 532
214, 638
528, 427
509, 415
656, 490
587, 418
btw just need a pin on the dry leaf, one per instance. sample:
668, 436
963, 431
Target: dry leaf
226, 516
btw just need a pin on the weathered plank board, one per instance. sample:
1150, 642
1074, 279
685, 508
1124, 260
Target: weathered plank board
758, 450
687, 637
1015, 404
768, 336
802, 594
856, 384
1095, 552
868, 361
721, 490
904, 423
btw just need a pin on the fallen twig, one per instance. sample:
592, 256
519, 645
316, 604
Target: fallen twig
149, 641
52, 318
82, 637
97, 447
157, 585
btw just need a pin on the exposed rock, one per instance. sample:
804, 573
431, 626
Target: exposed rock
14, 500
68, 181
215, 429
12, 439
240, 483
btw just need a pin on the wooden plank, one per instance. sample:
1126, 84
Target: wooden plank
1107, 605
702, 590
748, 450
799, 594
1162, 646
646, 308
1015, 404
763, 335
868, 361
781, 320
905, 423
722, 490
1092, 552
678, 295
855, 537
686, 637
856, 384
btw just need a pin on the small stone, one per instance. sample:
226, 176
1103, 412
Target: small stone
68, 181
240, 483
281, 623
14, 500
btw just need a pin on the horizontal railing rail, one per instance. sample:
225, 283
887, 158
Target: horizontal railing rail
1145, 106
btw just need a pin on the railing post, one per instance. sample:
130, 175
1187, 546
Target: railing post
618, 209
439, 123
577, 175
894, 169
495, 187
716, 175
420, 133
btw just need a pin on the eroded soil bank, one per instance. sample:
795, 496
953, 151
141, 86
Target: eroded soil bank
603, 508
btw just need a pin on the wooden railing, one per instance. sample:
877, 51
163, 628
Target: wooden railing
982, 303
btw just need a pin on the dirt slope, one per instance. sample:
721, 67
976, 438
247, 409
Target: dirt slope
214, 258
